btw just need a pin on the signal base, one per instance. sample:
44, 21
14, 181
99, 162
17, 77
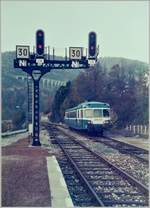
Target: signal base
36, 143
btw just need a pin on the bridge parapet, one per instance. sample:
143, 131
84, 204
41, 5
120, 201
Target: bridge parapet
45, 83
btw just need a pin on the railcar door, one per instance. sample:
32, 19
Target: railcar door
81, 118
78, 119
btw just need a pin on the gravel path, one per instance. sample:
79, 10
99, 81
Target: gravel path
24, 176
5, 141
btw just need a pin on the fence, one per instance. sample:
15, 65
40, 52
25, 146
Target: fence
6, 134
138, 129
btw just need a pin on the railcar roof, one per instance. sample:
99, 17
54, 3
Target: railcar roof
91, 104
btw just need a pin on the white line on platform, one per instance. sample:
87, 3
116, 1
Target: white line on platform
60, 197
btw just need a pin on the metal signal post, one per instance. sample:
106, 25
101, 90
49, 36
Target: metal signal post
39, 63
36, 120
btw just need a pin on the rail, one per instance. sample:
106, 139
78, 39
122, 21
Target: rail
120, 171
81, 175
76, 160
124, 147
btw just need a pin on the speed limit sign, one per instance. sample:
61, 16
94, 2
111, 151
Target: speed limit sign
75, 53
22, 52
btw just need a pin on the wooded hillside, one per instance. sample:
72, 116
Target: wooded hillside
119, 81
124, 87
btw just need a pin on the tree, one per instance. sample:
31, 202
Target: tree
141, 106
60, 96
125, 90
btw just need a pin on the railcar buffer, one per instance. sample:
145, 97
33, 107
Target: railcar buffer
41, 61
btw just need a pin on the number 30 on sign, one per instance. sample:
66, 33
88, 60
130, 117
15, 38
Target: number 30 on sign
75, 53
22, 52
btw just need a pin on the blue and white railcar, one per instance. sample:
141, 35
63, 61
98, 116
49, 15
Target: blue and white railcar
90, 116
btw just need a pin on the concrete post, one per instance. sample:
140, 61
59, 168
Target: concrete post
134, 129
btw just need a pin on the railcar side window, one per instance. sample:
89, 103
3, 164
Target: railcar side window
72, 114
105, 113
88, 113
97, 113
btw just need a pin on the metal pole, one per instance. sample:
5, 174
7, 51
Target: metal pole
53, 54
49, 52
65, 54
28, 102
36, 126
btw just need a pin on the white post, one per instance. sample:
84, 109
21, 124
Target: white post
145, 130
141, 129
138, 129
134, 129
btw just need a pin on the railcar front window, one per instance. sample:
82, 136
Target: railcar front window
88, 113
97, 113
105, 113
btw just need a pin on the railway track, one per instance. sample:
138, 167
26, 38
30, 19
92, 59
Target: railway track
124, 148
108, 184
77, 188
136, 167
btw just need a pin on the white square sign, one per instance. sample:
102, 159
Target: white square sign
75, 53
22, 52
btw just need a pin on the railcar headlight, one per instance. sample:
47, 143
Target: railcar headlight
107, 121
89, 122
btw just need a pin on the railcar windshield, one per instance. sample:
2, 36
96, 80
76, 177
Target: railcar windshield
88, 113
97, 113
106, 113
93, 113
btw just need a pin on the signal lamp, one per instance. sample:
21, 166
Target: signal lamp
92, 44
40, 42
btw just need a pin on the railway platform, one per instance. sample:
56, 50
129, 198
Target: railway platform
31, 176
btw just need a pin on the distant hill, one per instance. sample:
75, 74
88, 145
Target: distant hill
64, 75
7, 67
135, 65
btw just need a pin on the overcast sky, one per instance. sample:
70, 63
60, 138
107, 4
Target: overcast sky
121, 26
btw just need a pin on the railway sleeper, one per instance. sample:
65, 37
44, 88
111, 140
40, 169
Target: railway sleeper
90, 165
100, 168
124, 203
113, 186
103, 179
118, 193
100, 173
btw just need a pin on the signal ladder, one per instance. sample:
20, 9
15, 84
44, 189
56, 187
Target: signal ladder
30, 97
